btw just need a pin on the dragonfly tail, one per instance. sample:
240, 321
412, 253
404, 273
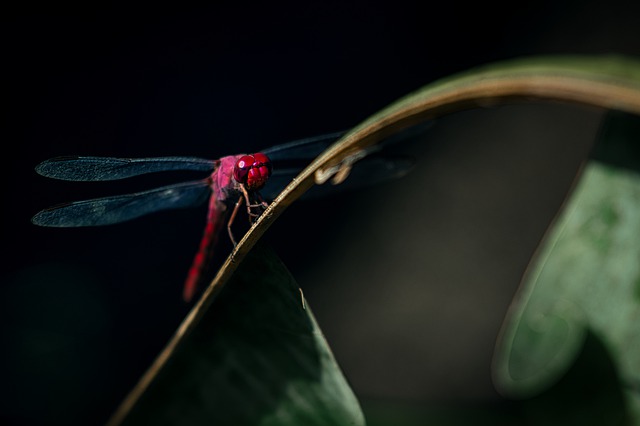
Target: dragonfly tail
215, 219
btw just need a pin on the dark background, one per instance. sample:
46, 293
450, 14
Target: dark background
85, 311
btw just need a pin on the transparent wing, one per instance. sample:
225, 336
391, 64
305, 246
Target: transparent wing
120, 208
289, 159
107, 168
310, 148
302, 149
366, 172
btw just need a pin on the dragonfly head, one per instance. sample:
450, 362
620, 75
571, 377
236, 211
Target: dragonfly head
252, 171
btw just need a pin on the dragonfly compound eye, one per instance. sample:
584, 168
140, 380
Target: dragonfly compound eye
252, 171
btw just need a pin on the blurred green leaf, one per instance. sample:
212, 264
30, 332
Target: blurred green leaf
257, 357
586, 279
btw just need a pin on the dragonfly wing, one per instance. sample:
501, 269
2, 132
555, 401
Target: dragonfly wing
108, 168
369, 171
302, 149
310, 148
375, 168
378, 166
120, 208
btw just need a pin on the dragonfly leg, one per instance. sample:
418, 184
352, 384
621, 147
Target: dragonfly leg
232, 218
262, 204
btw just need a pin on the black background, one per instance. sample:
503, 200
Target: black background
86, 310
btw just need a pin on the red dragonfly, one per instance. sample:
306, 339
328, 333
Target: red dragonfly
232, 179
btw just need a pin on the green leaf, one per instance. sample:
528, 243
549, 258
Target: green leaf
602, 81
586, 279
258, 358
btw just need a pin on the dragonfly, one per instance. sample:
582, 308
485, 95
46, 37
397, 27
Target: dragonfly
232, 181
